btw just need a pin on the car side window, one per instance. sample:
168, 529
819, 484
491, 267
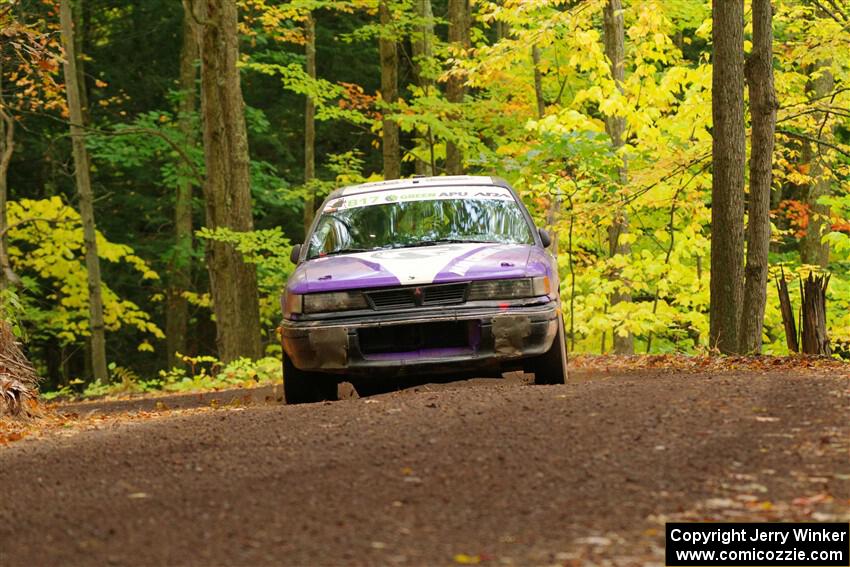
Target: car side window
331, 234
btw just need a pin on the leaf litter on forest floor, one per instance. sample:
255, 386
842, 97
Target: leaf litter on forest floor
740, 498
702, 363
53, 423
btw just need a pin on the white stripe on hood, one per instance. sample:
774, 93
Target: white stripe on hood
420, 265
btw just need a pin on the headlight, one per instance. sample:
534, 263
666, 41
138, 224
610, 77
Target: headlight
509, 289
339, 301
292, 304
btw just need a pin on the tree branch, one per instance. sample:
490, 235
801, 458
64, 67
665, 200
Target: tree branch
831, 110
823, 9
681, 168
811, 100
813, 139
839, 10
150, 132
23, 222
199, 177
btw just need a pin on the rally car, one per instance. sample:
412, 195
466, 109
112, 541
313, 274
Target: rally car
434, 276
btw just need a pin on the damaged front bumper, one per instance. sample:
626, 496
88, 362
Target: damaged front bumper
449, 340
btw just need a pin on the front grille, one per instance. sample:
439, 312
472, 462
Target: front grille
444, 294
417, 296
428, 337
391, 299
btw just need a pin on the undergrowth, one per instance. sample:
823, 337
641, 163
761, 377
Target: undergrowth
199, 373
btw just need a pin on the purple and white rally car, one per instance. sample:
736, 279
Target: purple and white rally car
426, 276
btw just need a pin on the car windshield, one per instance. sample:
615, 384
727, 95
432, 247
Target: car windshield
414, 217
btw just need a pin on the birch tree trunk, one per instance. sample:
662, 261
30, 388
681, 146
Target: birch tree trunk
759, 71
86, 195
177, 314
727, 185
227, 187
459, 21
389, 92
310, 124
615, 50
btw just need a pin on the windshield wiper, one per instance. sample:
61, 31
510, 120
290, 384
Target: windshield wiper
442, 241
345, 251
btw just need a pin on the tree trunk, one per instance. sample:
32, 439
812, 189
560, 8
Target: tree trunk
813, 313
727, 185
389, 92
502, 28
554, 200
459, 22
78, 14
18, 379
616, 127
787, 314
759, 69
552, 215
538, 82
177, 314
310, 125
86, 196
7, 148
812, 249
423, 52
227, 187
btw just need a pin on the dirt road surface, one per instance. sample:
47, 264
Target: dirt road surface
489, 472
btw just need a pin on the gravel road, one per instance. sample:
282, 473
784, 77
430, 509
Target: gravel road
491, 472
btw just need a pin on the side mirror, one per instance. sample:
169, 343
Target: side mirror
295, 254
545, 239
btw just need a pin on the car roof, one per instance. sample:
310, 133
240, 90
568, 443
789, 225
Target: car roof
417, 182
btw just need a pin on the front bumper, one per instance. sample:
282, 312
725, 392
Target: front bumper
447, 340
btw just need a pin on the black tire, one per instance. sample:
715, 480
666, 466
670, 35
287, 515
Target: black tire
551, 367
302, 387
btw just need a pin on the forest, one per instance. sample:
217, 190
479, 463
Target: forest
159, 159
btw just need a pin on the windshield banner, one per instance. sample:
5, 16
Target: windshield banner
482, 193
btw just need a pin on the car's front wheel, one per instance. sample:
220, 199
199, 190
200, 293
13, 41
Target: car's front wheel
551, 367
303, 387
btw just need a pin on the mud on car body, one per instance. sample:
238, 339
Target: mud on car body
426, 276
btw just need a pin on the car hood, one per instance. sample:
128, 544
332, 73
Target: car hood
419, 266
